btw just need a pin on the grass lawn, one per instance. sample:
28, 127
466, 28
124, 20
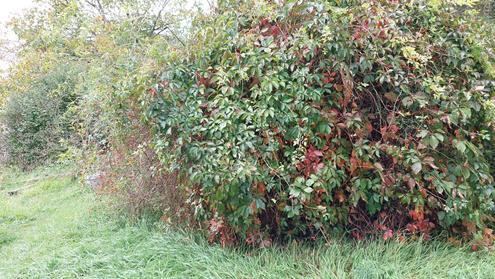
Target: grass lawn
59, 229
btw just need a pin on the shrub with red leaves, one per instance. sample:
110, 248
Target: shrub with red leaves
370, 117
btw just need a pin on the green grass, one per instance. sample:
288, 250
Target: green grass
59, 229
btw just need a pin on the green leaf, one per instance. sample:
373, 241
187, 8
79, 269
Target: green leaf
293, 133
422, 134
323, 127
439, 137
308, 190
260, 204
460, 145
433, 142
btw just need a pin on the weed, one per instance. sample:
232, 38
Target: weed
70, 233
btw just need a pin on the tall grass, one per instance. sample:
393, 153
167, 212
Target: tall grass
59, 229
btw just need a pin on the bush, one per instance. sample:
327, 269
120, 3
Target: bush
132, 172
39, 120
3, 146
370, 117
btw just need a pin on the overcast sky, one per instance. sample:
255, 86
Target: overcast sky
13, 6
8, 9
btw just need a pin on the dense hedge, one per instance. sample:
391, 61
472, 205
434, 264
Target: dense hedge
305, 118
39, 122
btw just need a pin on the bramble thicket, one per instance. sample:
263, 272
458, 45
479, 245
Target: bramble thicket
263, 121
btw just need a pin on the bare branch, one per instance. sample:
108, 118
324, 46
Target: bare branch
99, 7
154, 27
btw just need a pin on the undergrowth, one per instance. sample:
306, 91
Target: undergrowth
60, 229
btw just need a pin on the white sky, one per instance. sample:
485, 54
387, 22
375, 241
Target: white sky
9, 8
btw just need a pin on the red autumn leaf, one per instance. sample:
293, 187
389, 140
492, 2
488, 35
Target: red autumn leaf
312, 162
321, 191
340, 196
253, 206
356, 36
423, 192
202, 80
152, 91
254, 81
474, 247
369, 127
470, 226
417, 215
388, 234
367, 166
329, 77
388, 180
341, 163
357, 235
261, 188
382, 35
381, 227
275, 31
389, 132
164, 83
412, 228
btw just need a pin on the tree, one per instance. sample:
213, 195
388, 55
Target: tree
110, 42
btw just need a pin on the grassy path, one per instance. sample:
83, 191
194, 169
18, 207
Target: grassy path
58, 229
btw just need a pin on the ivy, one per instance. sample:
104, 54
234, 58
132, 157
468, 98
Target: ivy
299, 119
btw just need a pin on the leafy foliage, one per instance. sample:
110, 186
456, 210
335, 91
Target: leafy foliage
39, 120
110, 42
304, 118
280, 120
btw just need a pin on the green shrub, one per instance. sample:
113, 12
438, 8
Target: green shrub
39, 120
3, 146
370, 117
